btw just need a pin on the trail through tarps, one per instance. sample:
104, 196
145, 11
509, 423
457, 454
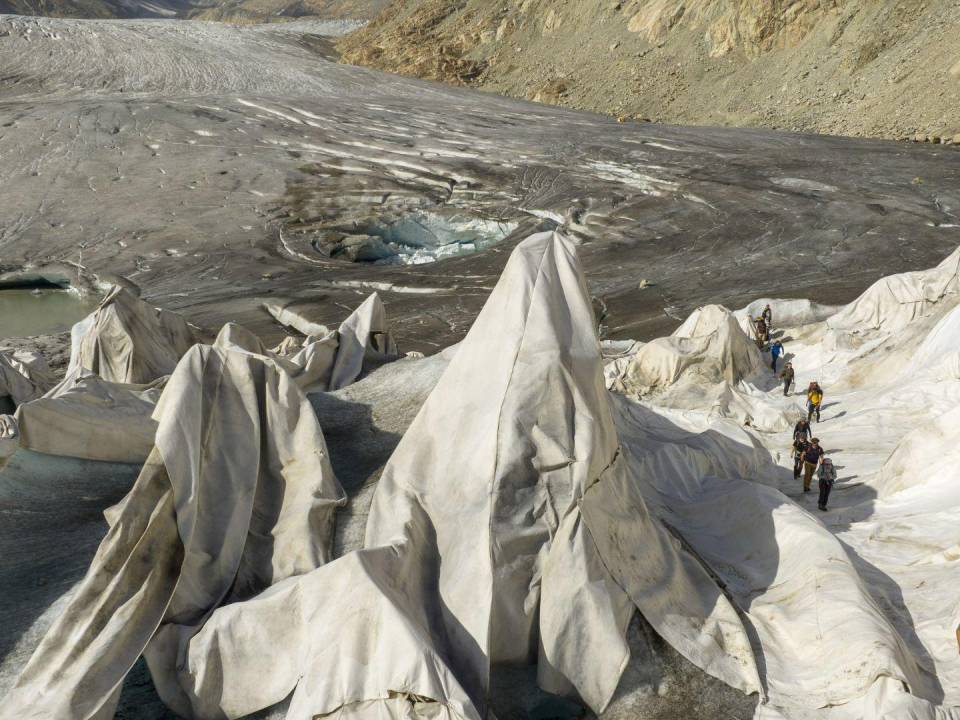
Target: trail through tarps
238, 494
858, 622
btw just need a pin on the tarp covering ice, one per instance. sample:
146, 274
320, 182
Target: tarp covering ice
331, 361
24, 375
525, 515
854, 612
238, 494
126, 340
710, 361
476, 533
895, 301
85, 416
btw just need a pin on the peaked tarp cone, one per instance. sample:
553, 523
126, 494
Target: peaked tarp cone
477, 552
126, 340
709, 346
237, 494
540, 540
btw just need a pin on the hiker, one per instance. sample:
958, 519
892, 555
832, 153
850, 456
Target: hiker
801, 429
767, 317
800, 445
776, 350
811, 459
814, 400
760, 328
827, 475
787, 376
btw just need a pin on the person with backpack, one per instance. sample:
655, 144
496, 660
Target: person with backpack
801, 429
767, 317
787, 376
811, 460
760, 328
814, 400
776, 350
827, 476
800, 445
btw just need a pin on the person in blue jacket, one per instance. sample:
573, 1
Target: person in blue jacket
776, 350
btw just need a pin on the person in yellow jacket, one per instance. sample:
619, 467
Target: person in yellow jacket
814, 400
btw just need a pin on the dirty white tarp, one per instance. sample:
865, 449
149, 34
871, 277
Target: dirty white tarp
476, 534
332, 361
85, 416
895, 301
477, 551
24, 375
522, 519
238, 494
852, 611
126, 340
709, 362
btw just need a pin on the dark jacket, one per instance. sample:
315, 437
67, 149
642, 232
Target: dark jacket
800, 446
801, 429
813, 454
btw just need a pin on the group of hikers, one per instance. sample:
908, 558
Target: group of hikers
808, 456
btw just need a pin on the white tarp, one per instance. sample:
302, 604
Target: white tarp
85, 416
238, 494
506, 528
896, 300
24, 375
524, 515
853, 611
362, 342
126, 340
708, 362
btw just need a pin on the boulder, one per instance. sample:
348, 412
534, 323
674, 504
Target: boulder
362, 248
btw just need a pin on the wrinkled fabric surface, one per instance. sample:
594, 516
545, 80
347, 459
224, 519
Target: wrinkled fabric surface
710, 361
126, 340
85, 416
24, 375
523, 518
238, 494
362, 342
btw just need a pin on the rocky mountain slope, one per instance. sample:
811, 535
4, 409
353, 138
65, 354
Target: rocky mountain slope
883, 68
271, 10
